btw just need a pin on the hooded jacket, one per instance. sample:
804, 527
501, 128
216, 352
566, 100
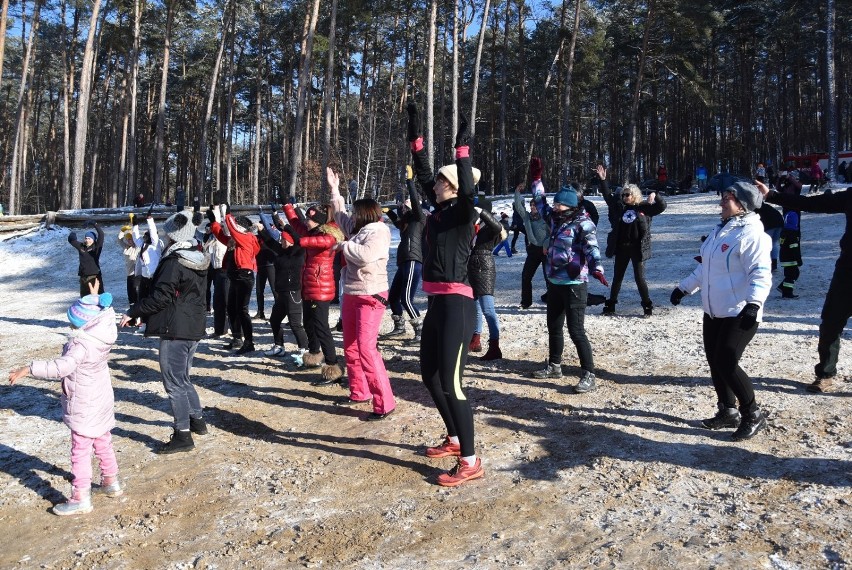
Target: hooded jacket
87, 397
247, 246
410, 225
573, 244
481, 268
149, 254
318, 273
735, 268
176, 307
536, 229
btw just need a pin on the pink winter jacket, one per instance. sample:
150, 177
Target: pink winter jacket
87, 399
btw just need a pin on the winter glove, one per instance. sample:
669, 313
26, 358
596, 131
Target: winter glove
413, 123
463, 134
196, 218
748, 316
601, 277
210, 215
535, 168
677, 295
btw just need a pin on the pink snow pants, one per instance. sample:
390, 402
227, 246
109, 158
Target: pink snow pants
362, 315
81, 458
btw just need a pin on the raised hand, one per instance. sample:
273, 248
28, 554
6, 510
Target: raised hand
413, 122
463, 134
333, 181
536, 169
601, 171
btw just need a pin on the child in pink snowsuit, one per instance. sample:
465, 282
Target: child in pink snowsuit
87, 398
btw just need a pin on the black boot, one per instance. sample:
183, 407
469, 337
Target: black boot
197, 426
417, 324
751, 423
649, 309
180, 441
725, 418
398, 327
594, 299
609, 308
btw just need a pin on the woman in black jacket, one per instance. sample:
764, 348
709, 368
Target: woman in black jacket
449, 321
630, 238
482, 272
288, 263
90, 255
410, 221
175, 311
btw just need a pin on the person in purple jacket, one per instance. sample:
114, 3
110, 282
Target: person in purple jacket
86, 382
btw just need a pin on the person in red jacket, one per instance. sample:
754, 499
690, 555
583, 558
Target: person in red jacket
241, 272
318, 235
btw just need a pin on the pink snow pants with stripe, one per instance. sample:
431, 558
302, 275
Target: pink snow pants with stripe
362, 315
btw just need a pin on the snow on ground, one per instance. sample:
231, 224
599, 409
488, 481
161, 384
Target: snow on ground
621, 477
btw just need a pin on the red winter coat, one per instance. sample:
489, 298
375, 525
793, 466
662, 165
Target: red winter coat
245, 254
318, 274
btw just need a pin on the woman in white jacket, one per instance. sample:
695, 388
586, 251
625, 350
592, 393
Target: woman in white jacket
365, 296
734, 275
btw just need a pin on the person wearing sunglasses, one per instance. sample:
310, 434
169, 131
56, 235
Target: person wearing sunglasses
734, 275
629, 241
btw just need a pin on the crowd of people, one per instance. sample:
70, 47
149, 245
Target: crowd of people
333, 252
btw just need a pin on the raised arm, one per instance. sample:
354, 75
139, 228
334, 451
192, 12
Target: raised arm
420, 158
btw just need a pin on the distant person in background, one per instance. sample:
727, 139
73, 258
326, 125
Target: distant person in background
504, 241
817, 176
760, 172
139, 201
838, 302
89, 251
701, 177
517, 226
536, 232
265, 273
662, 175
842, 173
734, 278
129, 253
482, 272
150, 251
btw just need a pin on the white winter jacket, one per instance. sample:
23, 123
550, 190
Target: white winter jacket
735, 268
148, 260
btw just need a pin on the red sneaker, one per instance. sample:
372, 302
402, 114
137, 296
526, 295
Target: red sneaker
460, 473
446, 449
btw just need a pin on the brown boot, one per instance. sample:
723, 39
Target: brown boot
475, 344
493, 351
821, 385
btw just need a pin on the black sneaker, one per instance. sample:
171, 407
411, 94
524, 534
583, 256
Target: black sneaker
751, 423
724, 418
180, 441
197, 426
246, 348
234, 344
586, 384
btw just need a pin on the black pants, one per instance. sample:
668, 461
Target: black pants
515, 238
239, 295
835, 314
624, 256
568, 301
724, 343
141, 288
221, 290
447, 329
317, 329
535, 259
264, 273
84, 284
338, 268
288, 304
132, 297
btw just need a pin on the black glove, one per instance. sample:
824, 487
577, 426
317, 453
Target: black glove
748, 316
210, 215
196, 205
413, 123
227, 208
150, 209
463, 134
677, 295
196, 218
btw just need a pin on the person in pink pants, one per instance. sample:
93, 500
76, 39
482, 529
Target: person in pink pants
87, 397
365, 293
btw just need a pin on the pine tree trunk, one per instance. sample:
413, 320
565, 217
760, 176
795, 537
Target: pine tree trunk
630, 160
132, 88
83, 100
830, 92
159, 143
326, 99
479, 45
430, 82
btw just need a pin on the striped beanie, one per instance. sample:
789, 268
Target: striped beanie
85, 309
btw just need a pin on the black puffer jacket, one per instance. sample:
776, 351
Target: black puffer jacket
288, 262
481, 268
176, 307
410, 225
617, 209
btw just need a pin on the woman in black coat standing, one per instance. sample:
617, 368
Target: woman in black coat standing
629, 241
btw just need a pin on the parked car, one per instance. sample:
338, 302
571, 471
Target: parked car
667, 188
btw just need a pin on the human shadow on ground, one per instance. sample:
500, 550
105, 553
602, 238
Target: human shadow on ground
25, 468
54, 325
241, 426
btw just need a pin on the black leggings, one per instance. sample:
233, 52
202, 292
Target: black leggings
535, 259
221, 290
317, 329
264, 273
239, 295
288, 304
724, 343
447, 329
835, 314
624, 256
568, 301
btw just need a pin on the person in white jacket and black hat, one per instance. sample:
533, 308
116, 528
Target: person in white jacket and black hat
734, 275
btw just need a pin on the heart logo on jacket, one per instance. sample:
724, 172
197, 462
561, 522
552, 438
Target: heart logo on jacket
725, 247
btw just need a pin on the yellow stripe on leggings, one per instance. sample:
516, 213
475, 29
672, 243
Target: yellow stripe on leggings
457, 376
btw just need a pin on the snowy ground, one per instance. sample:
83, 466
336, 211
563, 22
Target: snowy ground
621, 477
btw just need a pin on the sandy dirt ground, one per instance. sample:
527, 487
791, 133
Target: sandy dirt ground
623, 477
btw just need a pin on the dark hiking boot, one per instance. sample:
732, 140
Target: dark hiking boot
587, 383
180, 441
398, 327
417, 325
751, 423
494, 351
609, 308
821, 385
724, 418
197, 426
648, 309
